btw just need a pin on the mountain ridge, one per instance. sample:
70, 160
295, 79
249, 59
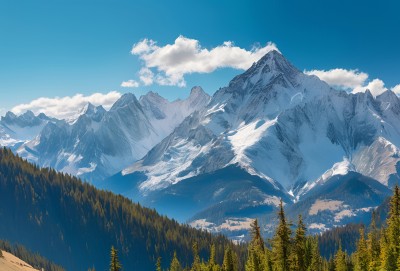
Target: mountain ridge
99, 143
279, 124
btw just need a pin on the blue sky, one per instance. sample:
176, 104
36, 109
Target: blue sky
60, 48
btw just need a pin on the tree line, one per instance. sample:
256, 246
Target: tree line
75, 224
377, 249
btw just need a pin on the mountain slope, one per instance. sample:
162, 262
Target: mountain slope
339, 200
21, 254
100, 143
11, 263
75, 225
274, 122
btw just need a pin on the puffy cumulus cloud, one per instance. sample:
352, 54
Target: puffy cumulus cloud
168, 64
351, 80
130, 84
67, 107
347, 79
396, 89
376, 87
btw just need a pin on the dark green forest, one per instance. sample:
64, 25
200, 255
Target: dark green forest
74, 224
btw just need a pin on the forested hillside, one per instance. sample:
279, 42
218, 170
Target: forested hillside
74, 224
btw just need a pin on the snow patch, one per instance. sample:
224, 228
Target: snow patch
324, 205
318, 226
232, 224
342, 214
273, 200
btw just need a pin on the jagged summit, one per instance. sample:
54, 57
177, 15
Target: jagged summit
270, 67
8, 117
197, 90
151, 97
274, 61
98, 143
27, 119
96, 113
88, 108
126, 99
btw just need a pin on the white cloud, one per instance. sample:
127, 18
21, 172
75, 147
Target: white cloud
376, 87
347, 79
146, 76
167, 65
351, 80
67, 107
130, 84
396, 89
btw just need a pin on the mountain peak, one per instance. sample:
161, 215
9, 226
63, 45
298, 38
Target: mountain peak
96, 113
26, 119
125, 100
9, 117
270, 66
196, 91
275, 62
88, 108
151, 97
28, 114
387, 95
198, 97
43, 116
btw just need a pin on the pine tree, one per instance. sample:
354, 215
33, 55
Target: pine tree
1, 254
387, 259
373, 245
316, 260
390, 238
331, 264
256, 250
340, 260
254, 260
268, 260
175, 264
361, 254
212, 265
281, 243
229, 261
394, 223
158, 264
299, 247
308, 251
115, 265
256, 238
196, 266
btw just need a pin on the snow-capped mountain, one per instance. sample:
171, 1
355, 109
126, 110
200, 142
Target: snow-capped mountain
275, 124
15, 130
100, 143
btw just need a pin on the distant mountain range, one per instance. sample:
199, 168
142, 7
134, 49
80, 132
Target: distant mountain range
273, 133
98, 143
